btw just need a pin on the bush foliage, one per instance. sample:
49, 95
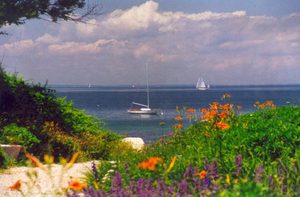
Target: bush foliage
54, 125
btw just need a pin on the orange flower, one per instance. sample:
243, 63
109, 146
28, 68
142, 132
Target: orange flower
223, 125
77, 186
191, 110
178, 118
35, 161
204, 110
257, 103
213, 107
227, 95
150, 163
189, 116
16, 186
215, 103
223, 114
211, 113
179, 125
239, 107
206, 133
201, 174
225, 107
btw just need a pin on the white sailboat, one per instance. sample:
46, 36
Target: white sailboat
145, 108
201, 84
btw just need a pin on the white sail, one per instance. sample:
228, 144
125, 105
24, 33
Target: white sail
201, 84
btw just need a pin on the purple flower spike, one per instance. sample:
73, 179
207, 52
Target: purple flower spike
189, 172
259, 173
184, 187
238, 164
95, 172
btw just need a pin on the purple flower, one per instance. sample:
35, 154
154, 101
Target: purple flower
259, 173
238, 165
189, 172
184, 187
95, 172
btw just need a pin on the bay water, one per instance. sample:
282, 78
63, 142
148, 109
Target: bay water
112, 102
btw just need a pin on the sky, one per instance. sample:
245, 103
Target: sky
228, 42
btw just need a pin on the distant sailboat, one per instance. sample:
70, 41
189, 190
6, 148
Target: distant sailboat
201, 84
90, 85
146, 108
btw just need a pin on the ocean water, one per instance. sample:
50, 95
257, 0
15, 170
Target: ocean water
111, 103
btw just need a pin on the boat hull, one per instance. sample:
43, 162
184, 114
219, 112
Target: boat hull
143, 111
203, 88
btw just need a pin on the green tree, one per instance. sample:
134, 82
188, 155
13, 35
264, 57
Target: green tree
18, 11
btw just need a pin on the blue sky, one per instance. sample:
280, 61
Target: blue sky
231, 42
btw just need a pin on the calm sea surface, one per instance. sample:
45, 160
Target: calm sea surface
111, 103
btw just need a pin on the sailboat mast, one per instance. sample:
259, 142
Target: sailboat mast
147, 85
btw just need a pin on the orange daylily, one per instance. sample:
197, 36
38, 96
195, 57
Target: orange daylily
178, 118
239, 107
16, 186
211, 113
215, 107
204, 110
150, 163
179, 125
35, 161
191, 110
206, 133
77, 186
201, 174
225, 107
227, 95
189, 116
223, 125
223, 114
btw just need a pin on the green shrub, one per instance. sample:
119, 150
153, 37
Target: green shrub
3, 158
50, 124
12, 134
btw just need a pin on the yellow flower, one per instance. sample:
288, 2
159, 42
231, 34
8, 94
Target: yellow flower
48, 159
77, 186
227, 179
171, 164
72, 161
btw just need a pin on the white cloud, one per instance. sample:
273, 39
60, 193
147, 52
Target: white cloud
23, 47
48, 39
86, 29
75, 48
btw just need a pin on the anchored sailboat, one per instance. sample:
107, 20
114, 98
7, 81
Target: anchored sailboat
146, 108
201, 84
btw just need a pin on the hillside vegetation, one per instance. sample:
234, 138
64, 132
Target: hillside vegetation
31, 115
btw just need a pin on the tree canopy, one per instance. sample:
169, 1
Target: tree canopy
18, 11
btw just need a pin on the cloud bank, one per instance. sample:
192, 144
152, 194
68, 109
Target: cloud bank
227, 48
